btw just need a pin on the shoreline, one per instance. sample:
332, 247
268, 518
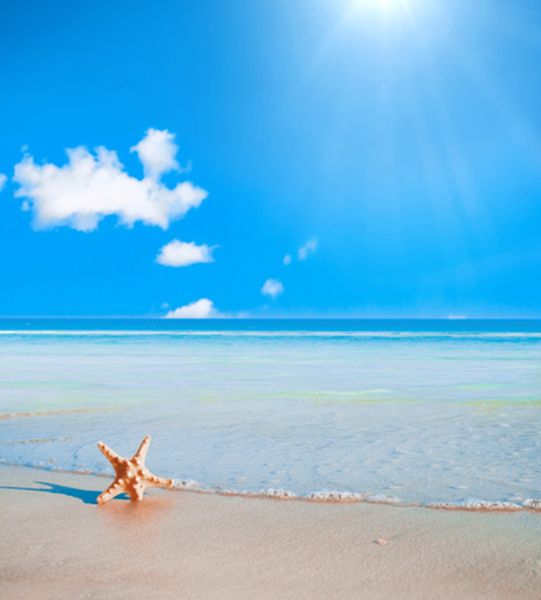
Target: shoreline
321, 497
57, 543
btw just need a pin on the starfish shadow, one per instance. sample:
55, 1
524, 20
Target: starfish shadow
86, 496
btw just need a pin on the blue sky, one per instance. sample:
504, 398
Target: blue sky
400, 140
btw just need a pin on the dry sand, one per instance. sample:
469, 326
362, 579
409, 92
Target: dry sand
56, 543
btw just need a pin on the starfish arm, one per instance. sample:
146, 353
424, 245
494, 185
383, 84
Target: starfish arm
160, 481
113, 490
141, 453
109, 454
136, 493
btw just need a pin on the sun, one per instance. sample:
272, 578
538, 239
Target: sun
382, 5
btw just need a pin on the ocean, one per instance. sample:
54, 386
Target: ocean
425, 412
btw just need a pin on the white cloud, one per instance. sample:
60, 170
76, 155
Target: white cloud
309, 248
90, 187
272, 288
157, 152
182, 254
201, 309
287, 260
3, 181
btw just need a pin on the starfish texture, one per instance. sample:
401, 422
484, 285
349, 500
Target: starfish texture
131, 475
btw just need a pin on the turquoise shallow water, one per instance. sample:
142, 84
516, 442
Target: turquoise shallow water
409, 411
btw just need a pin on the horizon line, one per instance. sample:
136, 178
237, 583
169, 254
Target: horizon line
273, 318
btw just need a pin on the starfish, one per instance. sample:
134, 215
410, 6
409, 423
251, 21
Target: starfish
131, 475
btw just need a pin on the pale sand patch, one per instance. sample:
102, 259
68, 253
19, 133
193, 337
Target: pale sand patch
57, 544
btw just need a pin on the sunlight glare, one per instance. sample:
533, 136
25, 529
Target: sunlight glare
382, 5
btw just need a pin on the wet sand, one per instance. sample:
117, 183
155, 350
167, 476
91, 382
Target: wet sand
56, 543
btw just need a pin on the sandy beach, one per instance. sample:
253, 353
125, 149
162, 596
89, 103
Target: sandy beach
56, 543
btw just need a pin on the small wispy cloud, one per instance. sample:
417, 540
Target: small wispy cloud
183, 254
272, 288
309, 248
3, 180
91, 187
302, 253
201, 309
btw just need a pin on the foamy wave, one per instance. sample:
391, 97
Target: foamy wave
481, 505
336, 496
186, 484
346, 497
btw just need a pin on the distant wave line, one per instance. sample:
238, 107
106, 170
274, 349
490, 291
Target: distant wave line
262, 333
